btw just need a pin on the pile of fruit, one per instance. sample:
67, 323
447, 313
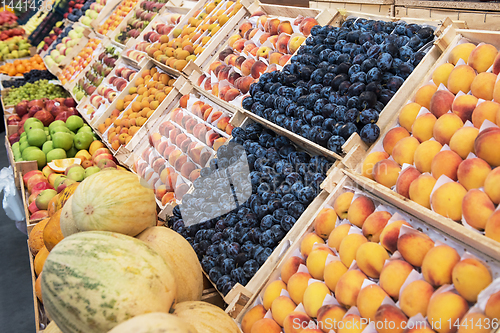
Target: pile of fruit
15, 47
146, 94
163, 26
275, 48
77, 8
32, 76
92, 11
34, 91
369, 262
34, 22
80, 61
7, 34
107, 92
450, 140
136, 24
7, 20
117, 16
55, 37
189, 41
340, 80
58, 54
245, 202
20, 67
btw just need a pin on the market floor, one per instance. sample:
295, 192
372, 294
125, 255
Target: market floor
16, 293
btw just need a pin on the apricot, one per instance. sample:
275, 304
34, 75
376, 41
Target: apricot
446, 307
389, 236
290, 267
477, 208
424, 155
393, 137
421, 189
446, 163
329, 316
282, 306
470, 277
348, 287
482, 57
461, 51
446, 126
415, 298
390, 314
441, 102
404, 150
492, 185
424, 94
251, 317
414, 247
474, 322
316, 261
408, 114
342, 204
486, 146
423, 126
492, 307
295, 322
273, 291
472, 173
313, 298
369, 300
349, 246
438, 265
359, 210
333, 272
297, 285
485, 111
324, 223
393, 275
483, 86
441, 74
308, 242
447, 200
386, 172
462, 142
265, 325
460, 79
371, 258
337, 235
352, 323
463, 106
374, 224
406, 177
370, 161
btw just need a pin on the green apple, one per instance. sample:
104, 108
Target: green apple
15, 146
62, 140
56, 154
91, 170
47, 146
43, 198
23, 146
72, 152
83, 140
32, 125
76, 173
85, 128
56, 123
58, 181
26, 151
23, 139
36, 154
59, 129
23, 135
36, 137
74, 122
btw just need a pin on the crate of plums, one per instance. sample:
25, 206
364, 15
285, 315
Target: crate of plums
248, 206
345, 83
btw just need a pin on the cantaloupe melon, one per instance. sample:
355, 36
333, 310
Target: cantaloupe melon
66, 221
156, 322
92, 281
180, 256
205, 317
38, 288
52, 232
35, 241
40, 258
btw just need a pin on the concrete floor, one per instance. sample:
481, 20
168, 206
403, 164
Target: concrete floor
16, 293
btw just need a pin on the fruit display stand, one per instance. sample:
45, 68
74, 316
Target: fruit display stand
395, 215
105, 13
379, 7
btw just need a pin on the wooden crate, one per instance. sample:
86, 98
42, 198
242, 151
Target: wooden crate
379, 7
105, 13
123, 24
344, 182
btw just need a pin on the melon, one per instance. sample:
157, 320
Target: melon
52, 233
38, 288
115, 201
66, 221
205, 317
157, 322
180, 256
40, 259
54, 205
52, 328
35, 241
95, 280
66, 194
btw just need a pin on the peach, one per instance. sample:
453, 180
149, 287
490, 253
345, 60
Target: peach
349, 246
297, 285
295, 322
187, 168
281, 308
348, 287
441, 74
447, 200
491, 185
480, 323
329, 316
408, 114
414, 247
461, 51
246, 66
370, 258
342, 204
482, 57
441, 102
393, 137
486, 110
424, 95
374, 224
316, 261
406, 177
477, 208
446, 126
333, 272
483, 86
492, 229
404, 150
424, 155
263, 51
359, 210
257, 69
462, 142
337, 235
460, 79
370, 298
389, 236
492, 307
173, 156
313, 298
423, 126
370, 161
438, 265
470, 277
251, 317
265, 325
387, 313
472, 173
324, 223
446, 163
446, 307
352, 323
486, 145
393, 276
496, 65
463, 106
308, 242
282, 43
283, 60
194, 175
274, 57
273, 291
386, 172
290, 267
415, 298
295, 42
243, 83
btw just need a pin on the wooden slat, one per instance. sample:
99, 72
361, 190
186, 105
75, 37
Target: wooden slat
467, 5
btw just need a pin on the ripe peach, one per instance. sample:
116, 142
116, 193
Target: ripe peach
290, 267
461, 51
359, 210
265, 325
447, 200
333, 272
441, 102
492, 308
446, 163
352, 323
390, 234
316, 261
386, 172
414, 247
483, 85
424, 155
348, 287
404, 150
246, 66
370, 161
282, 43
477, 208
295, 322
337, 235
424, 95
482, 57
480, 326
469, 277
251, 317
393, 137
370, 258
446, 126
257, 69
492, 229
324, 223
374, 224
415, 298
460, 79
273, 291
408, 114
438, 265
297, 285
486, 146
342, 204
282, 306
472, 173
393, 276
446, 307
441, 74
463, 106
329, 316
349, 246
308, 242
387, 313
462, 142
313, 298
486, 110
369, 300
406, 177
491, 185
423, 126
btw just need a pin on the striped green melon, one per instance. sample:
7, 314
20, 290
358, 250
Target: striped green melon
94, 280
114, 200
205, 317
66, 221
180, 256
156, 322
